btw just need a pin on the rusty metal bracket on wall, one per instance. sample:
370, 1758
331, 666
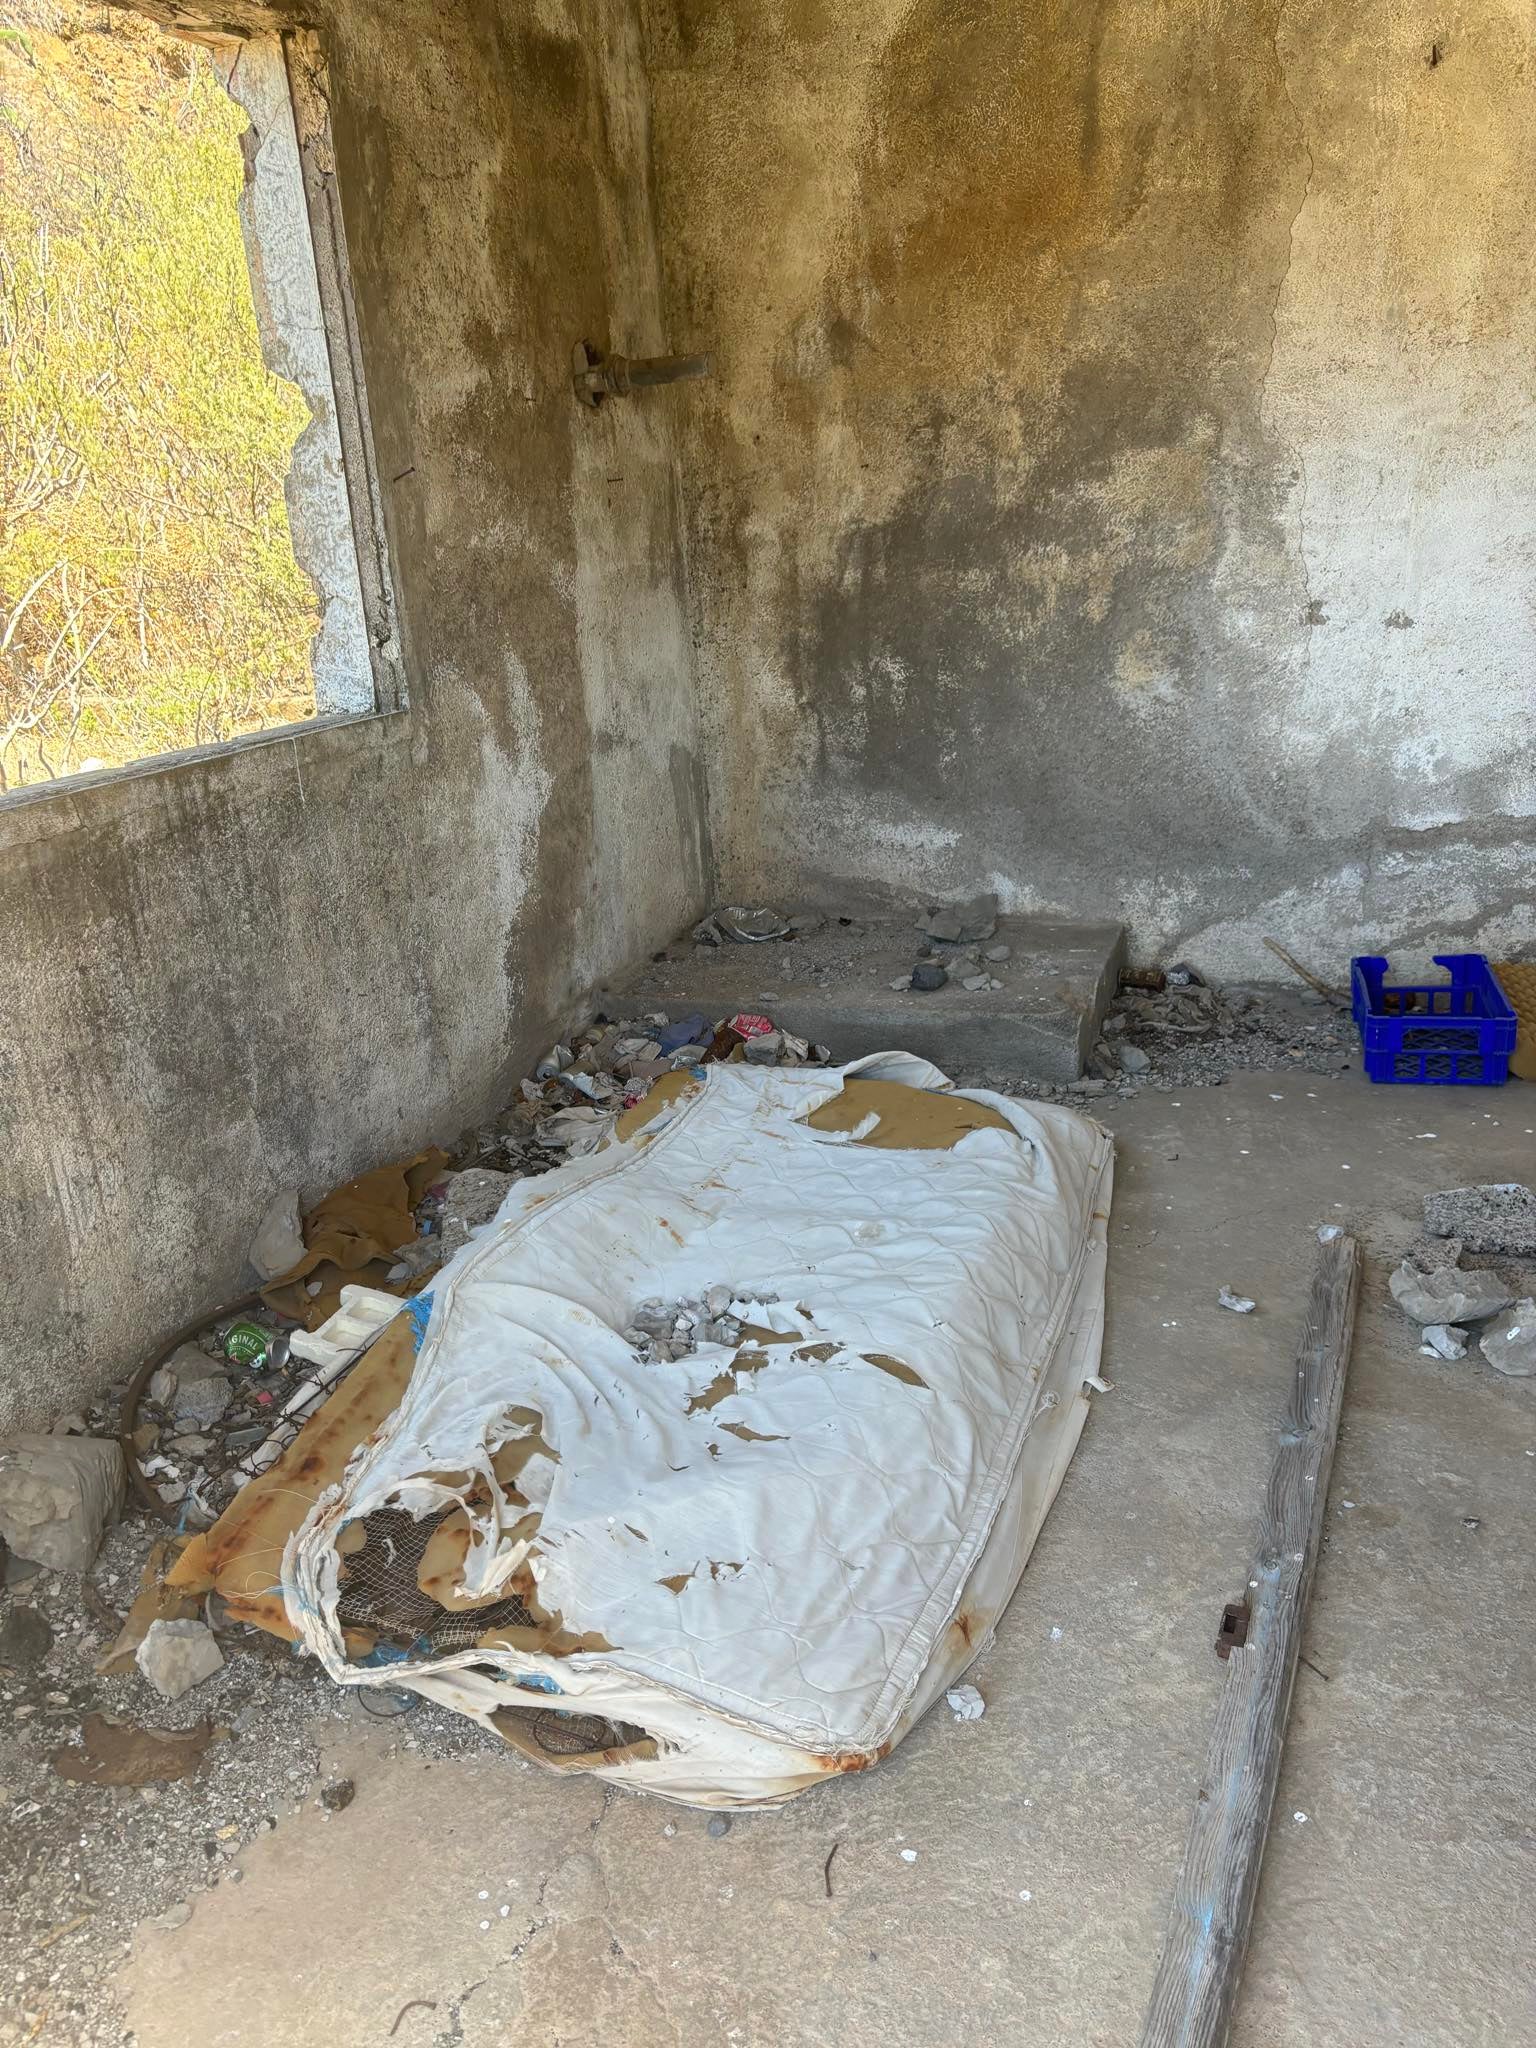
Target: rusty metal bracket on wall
596, 376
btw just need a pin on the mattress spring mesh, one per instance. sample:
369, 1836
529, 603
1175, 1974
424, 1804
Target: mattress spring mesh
380, 1592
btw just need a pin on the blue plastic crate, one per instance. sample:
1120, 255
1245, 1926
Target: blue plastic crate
1428, 1033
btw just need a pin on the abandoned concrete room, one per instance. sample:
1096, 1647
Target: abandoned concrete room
765, 795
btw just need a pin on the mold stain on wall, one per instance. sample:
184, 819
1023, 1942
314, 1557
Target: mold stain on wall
1072, 355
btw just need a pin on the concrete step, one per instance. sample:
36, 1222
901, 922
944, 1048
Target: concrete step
833, 985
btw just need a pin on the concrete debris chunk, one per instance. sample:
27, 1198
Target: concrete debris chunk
1443, 1341
957, 923
1509, 1342
1445, 1294
278, 1244
1133, 1060
1497, 1217
176, 1655
57, 1494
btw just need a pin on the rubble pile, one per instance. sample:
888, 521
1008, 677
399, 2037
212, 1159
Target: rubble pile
1457, 1307
953, 939
662, 1331
1190, 1033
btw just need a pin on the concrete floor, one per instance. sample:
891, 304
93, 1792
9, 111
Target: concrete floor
1399, 1900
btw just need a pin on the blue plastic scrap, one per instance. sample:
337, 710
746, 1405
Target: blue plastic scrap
692, 1030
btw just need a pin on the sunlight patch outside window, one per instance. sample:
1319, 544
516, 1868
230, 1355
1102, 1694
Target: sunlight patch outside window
150, 598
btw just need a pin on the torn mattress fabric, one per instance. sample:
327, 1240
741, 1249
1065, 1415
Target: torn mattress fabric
759, 1562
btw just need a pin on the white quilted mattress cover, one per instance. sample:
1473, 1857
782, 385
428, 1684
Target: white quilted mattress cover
848, 1538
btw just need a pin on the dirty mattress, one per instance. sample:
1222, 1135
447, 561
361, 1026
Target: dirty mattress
720, 1576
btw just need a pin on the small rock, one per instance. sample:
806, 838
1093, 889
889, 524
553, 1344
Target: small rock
719, 1824
1239, 1304
176, 1655
718, 1300
1442, 1341
162, 1387
977, 982
928, 975
999, 953
173, 1916
1509, 1342
71, 1425
1445, 1294
339, 1794
901, 984
25, 1639
1091, 1084
943, 925
14, 1570
1133, 1060
965, 1703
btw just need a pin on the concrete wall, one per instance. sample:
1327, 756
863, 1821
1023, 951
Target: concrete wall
296, 958
1118, 489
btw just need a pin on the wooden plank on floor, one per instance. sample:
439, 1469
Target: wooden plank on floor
1203, 1950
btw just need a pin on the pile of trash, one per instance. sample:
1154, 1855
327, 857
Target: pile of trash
1457, 1306
578, 1090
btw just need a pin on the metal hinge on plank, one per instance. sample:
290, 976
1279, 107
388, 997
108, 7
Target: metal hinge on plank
1233, 1632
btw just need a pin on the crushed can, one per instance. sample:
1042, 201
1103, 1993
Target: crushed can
253, 1345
